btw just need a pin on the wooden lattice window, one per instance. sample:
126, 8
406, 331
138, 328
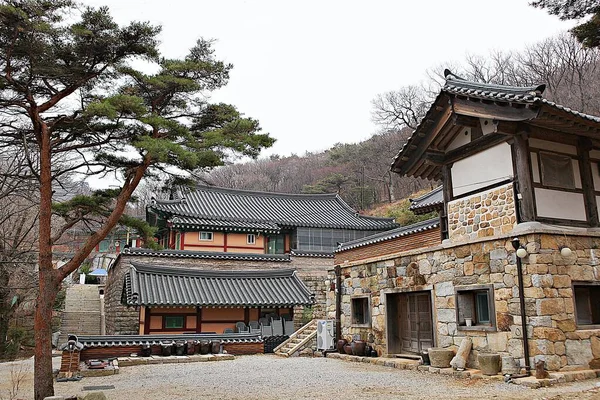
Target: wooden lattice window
557, 170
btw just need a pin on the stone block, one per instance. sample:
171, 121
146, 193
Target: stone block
550, 306
446, 315
440, 358
515, 348
595, 345
444, 289
542, 281
540, 321
551, 334
95, 396
559, 348
498, 254
489, 364
579, 352
481, 268
562, 281
533, 292
497, 341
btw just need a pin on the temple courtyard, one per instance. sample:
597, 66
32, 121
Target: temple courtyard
271, 377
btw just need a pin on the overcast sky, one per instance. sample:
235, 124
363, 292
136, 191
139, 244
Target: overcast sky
308, 70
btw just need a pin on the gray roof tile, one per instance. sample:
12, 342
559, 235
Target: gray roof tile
152, 285
218, 225
139, 340
282, 210
215, 255
428, 202
391, 234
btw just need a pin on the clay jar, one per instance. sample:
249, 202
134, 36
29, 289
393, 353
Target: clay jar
204, 347
358, 348
348, 349
340, 345
216, 347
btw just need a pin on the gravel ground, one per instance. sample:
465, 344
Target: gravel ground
271, 377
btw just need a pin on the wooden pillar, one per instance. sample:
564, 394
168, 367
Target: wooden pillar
522, 163
448, 195
587, 181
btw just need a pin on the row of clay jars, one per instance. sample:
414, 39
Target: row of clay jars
357, 348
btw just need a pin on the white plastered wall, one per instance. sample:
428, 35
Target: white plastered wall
482, 169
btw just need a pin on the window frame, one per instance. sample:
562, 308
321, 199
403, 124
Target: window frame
365, 299
543, 179
586, 284
248, 241
211, 239
473, 291
183, 319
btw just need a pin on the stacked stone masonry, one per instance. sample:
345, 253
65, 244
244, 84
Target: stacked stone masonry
554, 335
122, 320
486, 214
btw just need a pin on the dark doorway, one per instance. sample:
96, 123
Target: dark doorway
410, 324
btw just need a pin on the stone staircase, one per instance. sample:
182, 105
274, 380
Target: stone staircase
299, 340
81, 315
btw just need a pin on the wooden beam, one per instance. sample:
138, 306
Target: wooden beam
423, 144
475, 146
522, 163
433, 157
504, 112
587, 181
463, 120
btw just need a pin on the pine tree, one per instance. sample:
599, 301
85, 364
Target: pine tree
72, 103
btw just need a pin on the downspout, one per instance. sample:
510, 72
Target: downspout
517, 245
338, 303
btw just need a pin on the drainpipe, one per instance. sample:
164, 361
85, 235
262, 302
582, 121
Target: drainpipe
516, 245
338, 303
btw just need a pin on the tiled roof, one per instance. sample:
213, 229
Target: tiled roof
139, 340
218, 225
206, 255
524, 95
152, 285
283, 210
392, 234
428, 202
307, 253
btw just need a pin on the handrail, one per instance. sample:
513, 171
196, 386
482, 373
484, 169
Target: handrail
293, 335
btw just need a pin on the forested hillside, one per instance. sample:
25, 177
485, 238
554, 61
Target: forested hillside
360, 172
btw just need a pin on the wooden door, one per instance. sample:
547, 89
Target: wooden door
416, 323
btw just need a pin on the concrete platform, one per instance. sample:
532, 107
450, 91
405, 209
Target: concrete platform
130, 361
530, 381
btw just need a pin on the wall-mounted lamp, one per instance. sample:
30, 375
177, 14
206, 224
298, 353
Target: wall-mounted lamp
565, 251
521, 252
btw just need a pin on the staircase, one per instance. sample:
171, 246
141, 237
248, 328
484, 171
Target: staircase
81, 315
298, 341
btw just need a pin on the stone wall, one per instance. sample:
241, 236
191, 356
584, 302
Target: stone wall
549, 305
485, 214
121, 320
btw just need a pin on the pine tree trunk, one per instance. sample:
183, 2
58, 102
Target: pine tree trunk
43, 379
48, 284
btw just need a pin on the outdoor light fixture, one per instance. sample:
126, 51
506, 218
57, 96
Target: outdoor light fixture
521, 252
565, 251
